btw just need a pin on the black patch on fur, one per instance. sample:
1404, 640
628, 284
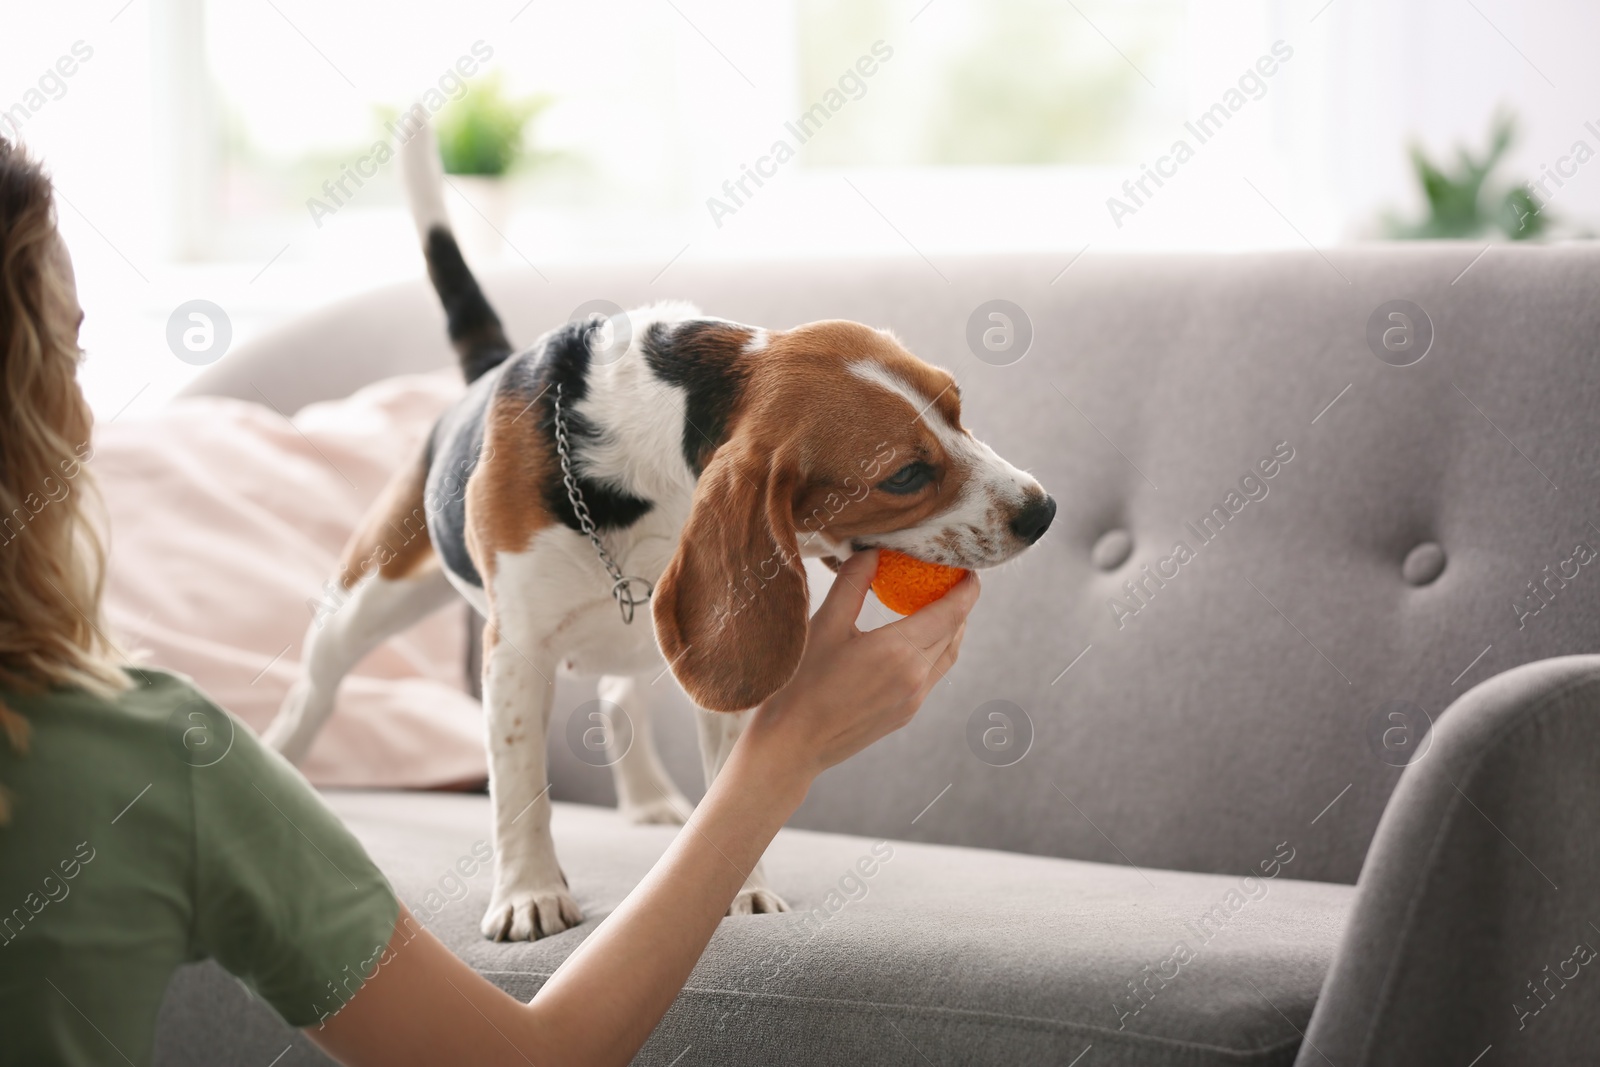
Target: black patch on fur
563, 360
526, 382
454, 448
702, 358
475, 331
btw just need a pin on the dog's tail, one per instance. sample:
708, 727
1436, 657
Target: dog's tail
475, 331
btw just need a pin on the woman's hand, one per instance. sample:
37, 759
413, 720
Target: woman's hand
852, 688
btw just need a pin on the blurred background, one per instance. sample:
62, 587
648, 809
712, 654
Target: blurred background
235, 152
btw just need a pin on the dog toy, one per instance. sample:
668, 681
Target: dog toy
905, 584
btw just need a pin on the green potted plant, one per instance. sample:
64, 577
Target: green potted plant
1463, 202
482, 139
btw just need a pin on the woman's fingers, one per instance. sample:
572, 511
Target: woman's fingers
942, 663
842, 606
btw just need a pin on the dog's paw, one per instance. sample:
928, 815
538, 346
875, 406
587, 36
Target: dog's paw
663, 811
527, 915
757, 902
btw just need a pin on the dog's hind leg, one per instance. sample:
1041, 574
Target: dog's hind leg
377, 608
389, 577
645, 792
718, 732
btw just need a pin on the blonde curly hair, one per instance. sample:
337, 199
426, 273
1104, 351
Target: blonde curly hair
52, 559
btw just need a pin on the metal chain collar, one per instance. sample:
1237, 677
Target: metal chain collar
622, 586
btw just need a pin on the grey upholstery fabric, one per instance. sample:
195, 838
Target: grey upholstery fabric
1420, 539
1225, 715
951, 954
1476, 924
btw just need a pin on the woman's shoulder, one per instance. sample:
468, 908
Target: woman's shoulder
153, 688
149, 689
161, 715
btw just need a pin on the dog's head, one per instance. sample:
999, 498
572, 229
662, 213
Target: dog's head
836, 439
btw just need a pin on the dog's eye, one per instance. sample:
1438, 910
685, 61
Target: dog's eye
907, 479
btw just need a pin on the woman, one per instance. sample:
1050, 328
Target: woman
120, 858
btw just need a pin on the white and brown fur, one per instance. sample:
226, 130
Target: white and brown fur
713, 456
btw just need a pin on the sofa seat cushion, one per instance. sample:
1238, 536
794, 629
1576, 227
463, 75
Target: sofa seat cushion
895, 953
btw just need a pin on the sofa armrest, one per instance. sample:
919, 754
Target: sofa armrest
1477, 917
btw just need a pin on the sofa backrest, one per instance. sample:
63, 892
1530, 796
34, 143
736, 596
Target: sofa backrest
1292, 527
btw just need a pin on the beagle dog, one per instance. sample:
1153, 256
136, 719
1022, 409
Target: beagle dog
695, 466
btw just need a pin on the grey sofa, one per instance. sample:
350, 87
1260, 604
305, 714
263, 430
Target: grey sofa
1162, 813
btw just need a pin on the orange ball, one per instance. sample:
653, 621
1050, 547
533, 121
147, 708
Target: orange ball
905, 584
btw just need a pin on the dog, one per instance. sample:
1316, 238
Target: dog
693, 472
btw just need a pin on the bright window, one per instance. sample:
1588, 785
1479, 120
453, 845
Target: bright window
994, 82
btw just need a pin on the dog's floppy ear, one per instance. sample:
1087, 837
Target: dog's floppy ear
730, 609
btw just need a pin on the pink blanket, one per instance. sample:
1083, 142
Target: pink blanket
226, 521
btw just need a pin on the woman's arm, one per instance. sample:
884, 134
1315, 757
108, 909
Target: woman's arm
427, 1006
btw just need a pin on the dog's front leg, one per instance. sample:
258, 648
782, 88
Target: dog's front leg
718, 732
531, 898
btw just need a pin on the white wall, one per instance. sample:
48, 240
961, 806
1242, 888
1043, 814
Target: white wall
1435, 70
657, 100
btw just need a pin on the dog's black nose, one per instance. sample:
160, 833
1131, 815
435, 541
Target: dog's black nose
1034, 519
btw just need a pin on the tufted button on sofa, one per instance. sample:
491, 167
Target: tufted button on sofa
1423, 564
1281, 747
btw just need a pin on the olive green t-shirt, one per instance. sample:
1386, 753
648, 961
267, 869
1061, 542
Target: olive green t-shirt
151, 830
